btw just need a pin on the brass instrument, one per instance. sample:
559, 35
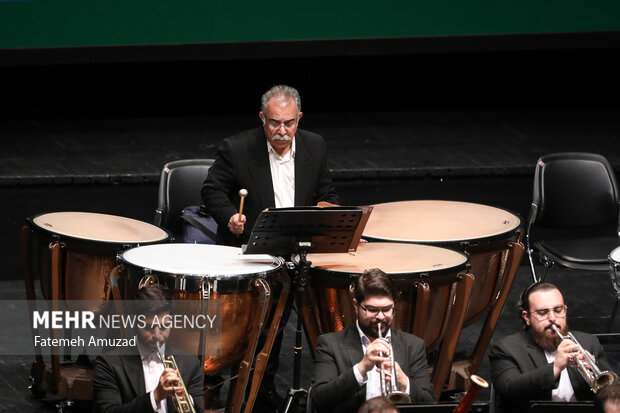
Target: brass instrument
476, 383
588, 369
183, 403
389, 389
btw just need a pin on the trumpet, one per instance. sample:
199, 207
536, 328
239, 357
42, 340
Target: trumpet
183, 402
588, 369
389, 388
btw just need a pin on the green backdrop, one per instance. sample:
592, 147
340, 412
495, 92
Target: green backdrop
67, 23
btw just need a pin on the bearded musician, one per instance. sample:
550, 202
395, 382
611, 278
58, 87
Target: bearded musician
533, 364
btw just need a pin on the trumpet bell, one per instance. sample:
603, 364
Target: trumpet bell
604, 379
399, 397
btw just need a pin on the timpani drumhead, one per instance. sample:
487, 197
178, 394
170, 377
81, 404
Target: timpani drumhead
216, 261
398, 260
437, 221
100, 227
615, 255
186, 269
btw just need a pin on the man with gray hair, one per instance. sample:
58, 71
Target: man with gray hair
279, 165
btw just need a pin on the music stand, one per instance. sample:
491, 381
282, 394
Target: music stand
441, 407
299, 231
546, 406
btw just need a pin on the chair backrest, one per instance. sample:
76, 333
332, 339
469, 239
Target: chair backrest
180, 184
573, 190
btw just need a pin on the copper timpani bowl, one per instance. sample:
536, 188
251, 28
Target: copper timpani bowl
481, 231
88, 244
214, 278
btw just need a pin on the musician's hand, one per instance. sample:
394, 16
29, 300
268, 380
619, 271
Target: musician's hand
236, 224
565, 353
168, 385
401, 378
591, 357
376, 353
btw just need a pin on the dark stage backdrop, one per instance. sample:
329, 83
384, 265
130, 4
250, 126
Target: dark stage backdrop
80, 71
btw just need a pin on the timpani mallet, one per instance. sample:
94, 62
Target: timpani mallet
242, 193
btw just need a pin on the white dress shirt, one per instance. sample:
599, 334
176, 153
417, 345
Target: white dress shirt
283, 176
373, 377
564, 391
152, 367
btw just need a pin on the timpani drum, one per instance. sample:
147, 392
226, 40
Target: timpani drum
86, 245
490, 236
481, 231
216, 276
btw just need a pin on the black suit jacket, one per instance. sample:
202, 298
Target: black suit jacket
242, 162
520, 371
118, 383
334, 387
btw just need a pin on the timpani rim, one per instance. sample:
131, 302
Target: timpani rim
518, 223
269, 268
464, 264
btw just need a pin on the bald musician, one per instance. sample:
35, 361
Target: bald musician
278, 164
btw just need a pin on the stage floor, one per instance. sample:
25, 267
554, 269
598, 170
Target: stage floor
589, 298
112, 165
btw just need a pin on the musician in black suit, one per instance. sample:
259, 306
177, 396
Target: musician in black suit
533, 364
345, 367
139, 382
279, 165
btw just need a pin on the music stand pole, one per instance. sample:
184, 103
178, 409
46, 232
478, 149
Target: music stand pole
301, 230
301, 280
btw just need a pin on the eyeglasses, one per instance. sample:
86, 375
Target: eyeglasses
542, 314
275, 124
374, 311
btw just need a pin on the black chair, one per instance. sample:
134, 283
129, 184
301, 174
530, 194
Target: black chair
179, 186
574, 213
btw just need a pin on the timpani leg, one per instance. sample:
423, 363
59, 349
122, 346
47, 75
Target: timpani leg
453, 331
311, 317
56, 272
515, 253
246, 362
261, 359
